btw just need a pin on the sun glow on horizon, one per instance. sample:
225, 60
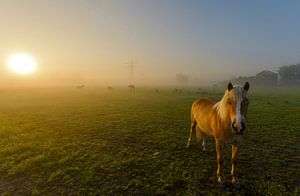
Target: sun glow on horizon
22, 63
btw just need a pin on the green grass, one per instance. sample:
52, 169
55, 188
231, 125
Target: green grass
94, 141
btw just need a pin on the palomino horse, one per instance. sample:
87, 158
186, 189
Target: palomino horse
224, 120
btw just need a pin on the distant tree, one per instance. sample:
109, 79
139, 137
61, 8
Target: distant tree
289, 74
182, 78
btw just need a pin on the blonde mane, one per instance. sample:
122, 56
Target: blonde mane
221, 109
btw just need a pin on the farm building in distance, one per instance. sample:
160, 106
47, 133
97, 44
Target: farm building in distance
287, 75
264, 78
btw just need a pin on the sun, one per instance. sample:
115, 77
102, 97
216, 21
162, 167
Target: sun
22, 63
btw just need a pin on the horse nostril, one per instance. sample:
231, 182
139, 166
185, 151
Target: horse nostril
233, 125
238, 129
243, 126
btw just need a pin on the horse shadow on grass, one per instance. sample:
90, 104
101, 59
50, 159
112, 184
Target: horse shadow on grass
207, 161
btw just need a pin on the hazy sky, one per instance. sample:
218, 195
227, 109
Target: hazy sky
90, 41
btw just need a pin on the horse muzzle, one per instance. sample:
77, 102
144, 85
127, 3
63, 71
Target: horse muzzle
238, 129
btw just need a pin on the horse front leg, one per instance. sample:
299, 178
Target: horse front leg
219, 161
233, 164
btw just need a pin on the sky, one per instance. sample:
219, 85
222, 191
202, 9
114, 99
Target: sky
92, 41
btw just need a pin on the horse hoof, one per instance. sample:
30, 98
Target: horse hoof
221, 182
222, 185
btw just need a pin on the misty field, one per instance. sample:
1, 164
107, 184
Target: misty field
112, 142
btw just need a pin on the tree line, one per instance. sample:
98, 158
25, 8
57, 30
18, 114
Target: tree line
289, 74
285, 75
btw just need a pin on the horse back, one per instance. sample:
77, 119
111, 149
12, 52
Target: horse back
202, 105
204, 114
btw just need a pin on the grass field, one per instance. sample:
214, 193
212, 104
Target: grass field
69, 141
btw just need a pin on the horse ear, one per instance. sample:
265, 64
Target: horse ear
229, 86
246, 86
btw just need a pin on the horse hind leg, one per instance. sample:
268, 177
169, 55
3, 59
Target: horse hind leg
200, 135
193, 125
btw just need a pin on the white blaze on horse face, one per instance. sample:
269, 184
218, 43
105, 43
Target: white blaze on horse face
239, 117
238, 113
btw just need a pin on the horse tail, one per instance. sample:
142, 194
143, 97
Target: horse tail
198, 134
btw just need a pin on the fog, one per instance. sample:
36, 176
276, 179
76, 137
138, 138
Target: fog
93, 42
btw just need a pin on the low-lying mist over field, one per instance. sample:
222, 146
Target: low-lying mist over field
101, 141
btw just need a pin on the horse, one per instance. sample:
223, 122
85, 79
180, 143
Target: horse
224, 120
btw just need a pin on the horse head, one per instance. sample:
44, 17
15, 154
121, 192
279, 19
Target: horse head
237, 103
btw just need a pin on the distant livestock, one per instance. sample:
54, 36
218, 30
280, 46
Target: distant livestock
80, 86
132, 87
176, 90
